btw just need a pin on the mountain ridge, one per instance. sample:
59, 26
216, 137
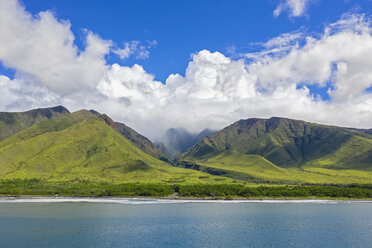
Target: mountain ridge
275, 150
138, 139
13, 122
81, 145
283, 141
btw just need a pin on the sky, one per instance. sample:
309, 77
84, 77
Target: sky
193, 64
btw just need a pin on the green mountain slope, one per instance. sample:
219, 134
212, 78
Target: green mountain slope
254, 168
366, 131
290, 143
11, 123
285, 150
81, 145
139, 140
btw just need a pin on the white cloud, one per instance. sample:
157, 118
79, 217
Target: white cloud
42, 48
348, 49
277, 46
17, 94
133, 83
296, 8
141, 51
215, 90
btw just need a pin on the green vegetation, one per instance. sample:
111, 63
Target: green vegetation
81, 188
281, 150
81, 145
17, 187
352, 191
290, 143
50, 151
139, 140
11, 123
256, 169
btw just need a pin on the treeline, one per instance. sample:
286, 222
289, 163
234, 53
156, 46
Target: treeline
17, 187
353, 191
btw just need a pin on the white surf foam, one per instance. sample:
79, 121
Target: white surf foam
159, 201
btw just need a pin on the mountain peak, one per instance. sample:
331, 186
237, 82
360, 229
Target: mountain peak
60, 109
289, 143
13, 122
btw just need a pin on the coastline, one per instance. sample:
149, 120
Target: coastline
168, 200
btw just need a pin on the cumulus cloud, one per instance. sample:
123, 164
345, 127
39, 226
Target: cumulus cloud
214, 91
341, 56
295, 8
217, 90
42, 48
22, 94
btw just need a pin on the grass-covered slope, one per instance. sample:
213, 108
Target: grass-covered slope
139, 140
11, 123
291, 143
254, 168
285, 150
81, 145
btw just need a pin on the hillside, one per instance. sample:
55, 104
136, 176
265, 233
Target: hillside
81, 145
90, 145
11, 123
291, 143
300, 151
139, 140
366, 131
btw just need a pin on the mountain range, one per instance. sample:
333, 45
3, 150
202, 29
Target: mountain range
281, 149
54, 144
82, 145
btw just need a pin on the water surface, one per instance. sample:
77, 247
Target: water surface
157, 223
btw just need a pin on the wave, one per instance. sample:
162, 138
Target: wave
162, 201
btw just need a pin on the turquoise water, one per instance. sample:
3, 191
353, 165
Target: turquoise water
136, 223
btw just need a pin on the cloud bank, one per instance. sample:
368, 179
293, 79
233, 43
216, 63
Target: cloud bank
215, 89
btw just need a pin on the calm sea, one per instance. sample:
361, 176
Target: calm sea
155, 223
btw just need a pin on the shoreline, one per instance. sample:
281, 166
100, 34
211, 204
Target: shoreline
149, 200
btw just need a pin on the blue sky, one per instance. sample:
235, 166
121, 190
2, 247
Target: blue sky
185, 27
192, 64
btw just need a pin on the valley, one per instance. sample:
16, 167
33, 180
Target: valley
89, 148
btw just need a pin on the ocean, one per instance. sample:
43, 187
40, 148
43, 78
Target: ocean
122, 222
